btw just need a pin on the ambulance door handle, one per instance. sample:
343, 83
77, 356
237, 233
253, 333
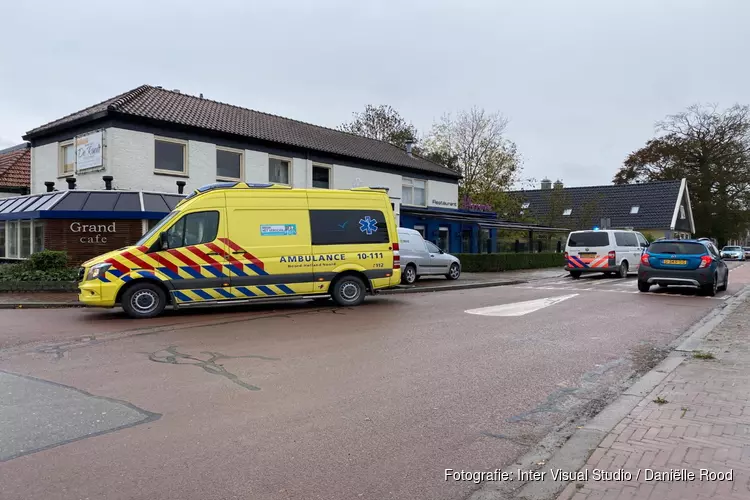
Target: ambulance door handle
238, 252
213, 253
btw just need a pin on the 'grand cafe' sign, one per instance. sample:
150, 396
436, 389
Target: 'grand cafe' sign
93, 233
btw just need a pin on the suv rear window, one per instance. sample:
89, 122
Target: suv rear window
588, 239
678, 248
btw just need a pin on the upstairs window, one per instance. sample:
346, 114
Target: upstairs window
525, 205
634, 209
67, 158
413, 192
567, 211
170, 156
279, 170
229, 164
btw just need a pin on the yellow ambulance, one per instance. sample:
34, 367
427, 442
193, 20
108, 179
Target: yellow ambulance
235, 242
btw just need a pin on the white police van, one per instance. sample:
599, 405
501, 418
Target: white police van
604, 251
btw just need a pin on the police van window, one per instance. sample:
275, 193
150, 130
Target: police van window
194, 229
588, 239
626, 239
344, 227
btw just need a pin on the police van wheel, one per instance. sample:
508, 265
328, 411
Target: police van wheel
348, 291
144, 300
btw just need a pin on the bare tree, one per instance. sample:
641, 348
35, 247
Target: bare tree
473, 143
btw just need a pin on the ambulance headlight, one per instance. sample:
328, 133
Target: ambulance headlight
97, 270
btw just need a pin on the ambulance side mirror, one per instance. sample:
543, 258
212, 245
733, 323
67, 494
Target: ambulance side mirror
163, 241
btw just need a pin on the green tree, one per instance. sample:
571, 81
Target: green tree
473, 143
382, 123
711, 149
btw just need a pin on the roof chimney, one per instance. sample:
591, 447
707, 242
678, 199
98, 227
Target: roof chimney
71, 182
180, 186
201, 95
546, 183
409, 146
107, 182
50, 186
558, 184
176, 90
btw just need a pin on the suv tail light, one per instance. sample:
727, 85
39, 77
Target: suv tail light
396, 257
706, 261
644, 259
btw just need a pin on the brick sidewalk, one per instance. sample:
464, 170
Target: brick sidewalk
705, 424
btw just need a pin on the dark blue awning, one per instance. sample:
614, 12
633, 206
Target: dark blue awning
89, 205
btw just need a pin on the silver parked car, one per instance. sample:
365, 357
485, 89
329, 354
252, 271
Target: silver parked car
422, 258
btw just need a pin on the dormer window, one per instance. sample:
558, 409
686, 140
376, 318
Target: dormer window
525, 205
634, 209
567, 211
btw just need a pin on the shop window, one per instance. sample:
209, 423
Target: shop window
67, 158
466, 241
421, 230
413, 192
485, 241
443, 240
279, 170
344, 227
229, 164
321, 177
170, 156
194, 229
12, 239
38, 236
2, 239
25, 239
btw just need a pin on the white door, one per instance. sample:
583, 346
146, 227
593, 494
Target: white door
634, 251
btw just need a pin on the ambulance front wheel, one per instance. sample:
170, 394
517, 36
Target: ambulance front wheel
348, 290
144, 300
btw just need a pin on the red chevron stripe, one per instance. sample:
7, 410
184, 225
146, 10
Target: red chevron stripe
164, 262
234, 246
118, 265
216, 248
184, 259
135, 260
201, 254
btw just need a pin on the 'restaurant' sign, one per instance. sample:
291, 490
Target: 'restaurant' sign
88, 151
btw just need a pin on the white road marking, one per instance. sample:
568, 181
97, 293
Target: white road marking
579, 289
519, 308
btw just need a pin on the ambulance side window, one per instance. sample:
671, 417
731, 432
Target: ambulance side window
194, 229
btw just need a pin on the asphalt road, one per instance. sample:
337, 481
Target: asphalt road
303, 402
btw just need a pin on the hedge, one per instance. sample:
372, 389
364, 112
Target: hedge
46, 270
493, 262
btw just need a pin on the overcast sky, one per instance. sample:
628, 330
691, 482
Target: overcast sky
582, 81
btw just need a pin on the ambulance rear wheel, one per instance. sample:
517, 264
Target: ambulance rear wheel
348, 290
144, 300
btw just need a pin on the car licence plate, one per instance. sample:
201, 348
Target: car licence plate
587, 255
674, 262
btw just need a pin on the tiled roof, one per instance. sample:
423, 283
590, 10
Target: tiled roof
165, 106
15, 166
656, 203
